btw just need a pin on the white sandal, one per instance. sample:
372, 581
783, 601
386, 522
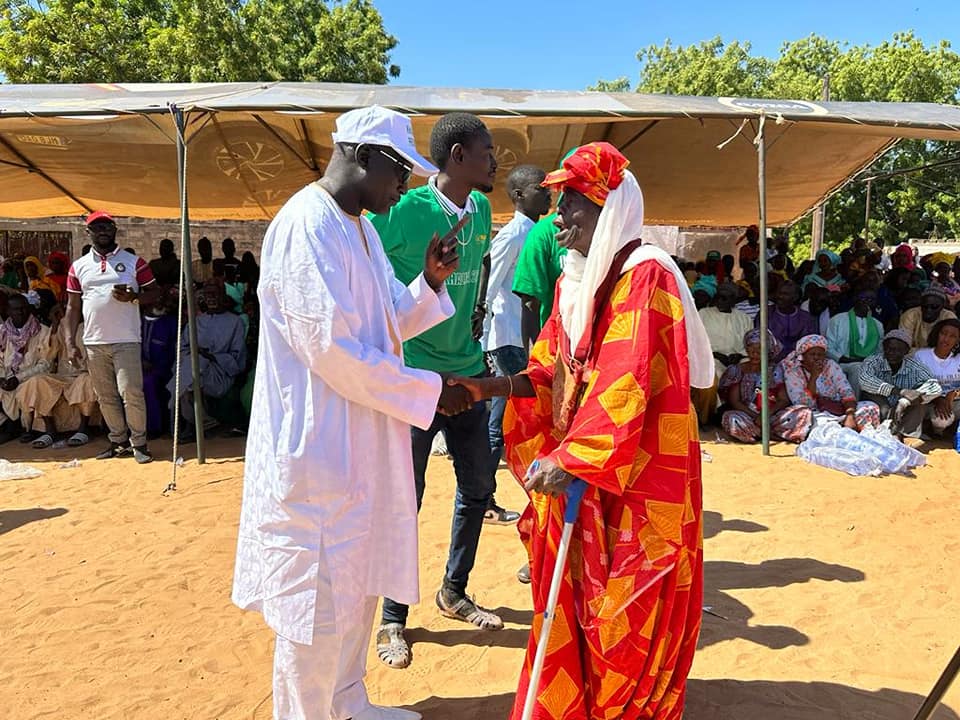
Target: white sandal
392, 647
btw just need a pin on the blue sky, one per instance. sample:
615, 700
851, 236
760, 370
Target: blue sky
565, 45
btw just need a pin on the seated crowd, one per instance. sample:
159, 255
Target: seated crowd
93, 344
855, 338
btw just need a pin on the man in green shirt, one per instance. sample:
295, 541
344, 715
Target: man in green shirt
538, 267
462, 148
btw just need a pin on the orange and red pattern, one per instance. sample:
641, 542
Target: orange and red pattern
593, 170
629, 610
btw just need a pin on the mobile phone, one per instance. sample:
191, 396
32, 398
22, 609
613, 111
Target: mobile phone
122, 287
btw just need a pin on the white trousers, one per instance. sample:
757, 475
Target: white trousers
324, 681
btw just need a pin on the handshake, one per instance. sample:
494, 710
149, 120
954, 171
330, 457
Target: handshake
458, 394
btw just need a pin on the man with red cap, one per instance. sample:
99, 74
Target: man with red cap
606, 399
105, 287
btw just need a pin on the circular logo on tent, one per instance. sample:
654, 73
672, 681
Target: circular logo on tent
774, 107
257, 159
510, 148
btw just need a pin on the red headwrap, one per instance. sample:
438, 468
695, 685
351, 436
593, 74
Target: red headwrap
592, 170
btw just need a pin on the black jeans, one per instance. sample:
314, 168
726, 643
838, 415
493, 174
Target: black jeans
467, 443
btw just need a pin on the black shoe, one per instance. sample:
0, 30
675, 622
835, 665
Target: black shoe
115, 450
523, 574
496, 515
142, 455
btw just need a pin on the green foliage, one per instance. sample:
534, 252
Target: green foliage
710, 68
619, 85
902, 69
60, 41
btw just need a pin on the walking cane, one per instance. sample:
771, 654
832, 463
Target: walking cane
940, 689
574, 495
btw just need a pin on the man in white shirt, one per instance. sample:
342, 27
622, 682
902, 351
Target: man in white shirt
502, 340
104, 287
725, 326
329, 517
854, 336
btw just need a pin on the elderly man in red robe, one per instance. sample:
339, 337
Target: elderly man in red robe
606, 398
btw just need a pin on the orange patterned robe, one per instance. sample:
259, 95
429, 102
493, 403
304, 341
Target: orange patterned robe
629, 610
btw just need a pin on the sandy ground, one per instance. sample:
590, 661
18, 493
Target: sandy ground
838, 595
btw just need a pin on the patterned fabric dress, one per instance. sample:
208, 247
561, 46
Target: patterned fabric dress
791, 423
630, 606
833, 389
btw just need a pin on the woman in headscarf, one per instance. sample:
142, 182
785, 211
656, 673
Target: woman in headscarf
10, 277
943, 281
815, 381
704, 290
38, 277
606, 399
827, 275
59, 265
741, 387
903, 257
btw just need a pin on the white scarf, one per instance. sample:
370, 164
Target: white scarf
620, 222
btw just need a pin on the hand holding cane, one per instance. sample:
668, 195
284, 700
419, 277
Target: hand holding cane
574, 496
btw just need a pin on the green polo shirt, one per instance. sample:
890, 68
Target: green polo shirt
539, 265
405, 232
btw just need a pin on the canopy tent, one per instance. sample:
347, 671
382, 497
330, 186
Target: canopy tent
65, 149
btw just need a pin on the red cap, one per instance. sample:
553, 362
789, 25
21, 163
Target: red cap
99, 215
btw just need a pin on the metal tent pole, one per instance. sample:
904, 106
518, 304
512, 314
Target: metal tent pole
764, 343
816, 240
186, 265
941, 687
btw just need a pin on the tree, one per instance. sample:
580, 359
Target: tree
902, 69
44, 41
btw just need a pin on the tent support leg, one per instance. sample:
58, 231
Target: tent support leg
764, 344
186, 263
940, 689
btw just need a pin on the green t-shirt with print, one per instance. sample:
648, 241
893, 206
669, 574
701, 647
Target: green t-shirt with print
405, 232
539, 265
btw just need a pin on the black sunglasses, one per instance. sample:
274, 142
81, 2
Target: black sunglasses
404, 172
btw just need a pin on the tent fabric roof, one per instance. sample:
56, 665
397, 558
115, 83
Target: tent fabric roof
65, 149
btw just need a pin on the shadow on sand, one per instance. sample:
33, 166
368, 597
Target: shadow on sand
735, 621
12, 519
732, 700
714, 524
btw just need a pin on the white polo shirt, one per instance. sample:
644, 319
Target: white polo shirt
501, 326
106, 320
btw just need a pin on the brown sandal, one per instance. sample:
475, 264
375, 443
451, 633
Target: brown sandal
468, 611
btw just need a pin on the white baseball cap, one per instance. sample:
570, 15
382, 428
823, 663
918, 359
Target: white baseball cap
377, 125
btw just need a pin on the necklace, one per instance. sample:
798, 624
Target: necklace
467, 230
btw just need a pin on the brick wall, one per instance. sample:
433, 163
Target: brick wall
144, 234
